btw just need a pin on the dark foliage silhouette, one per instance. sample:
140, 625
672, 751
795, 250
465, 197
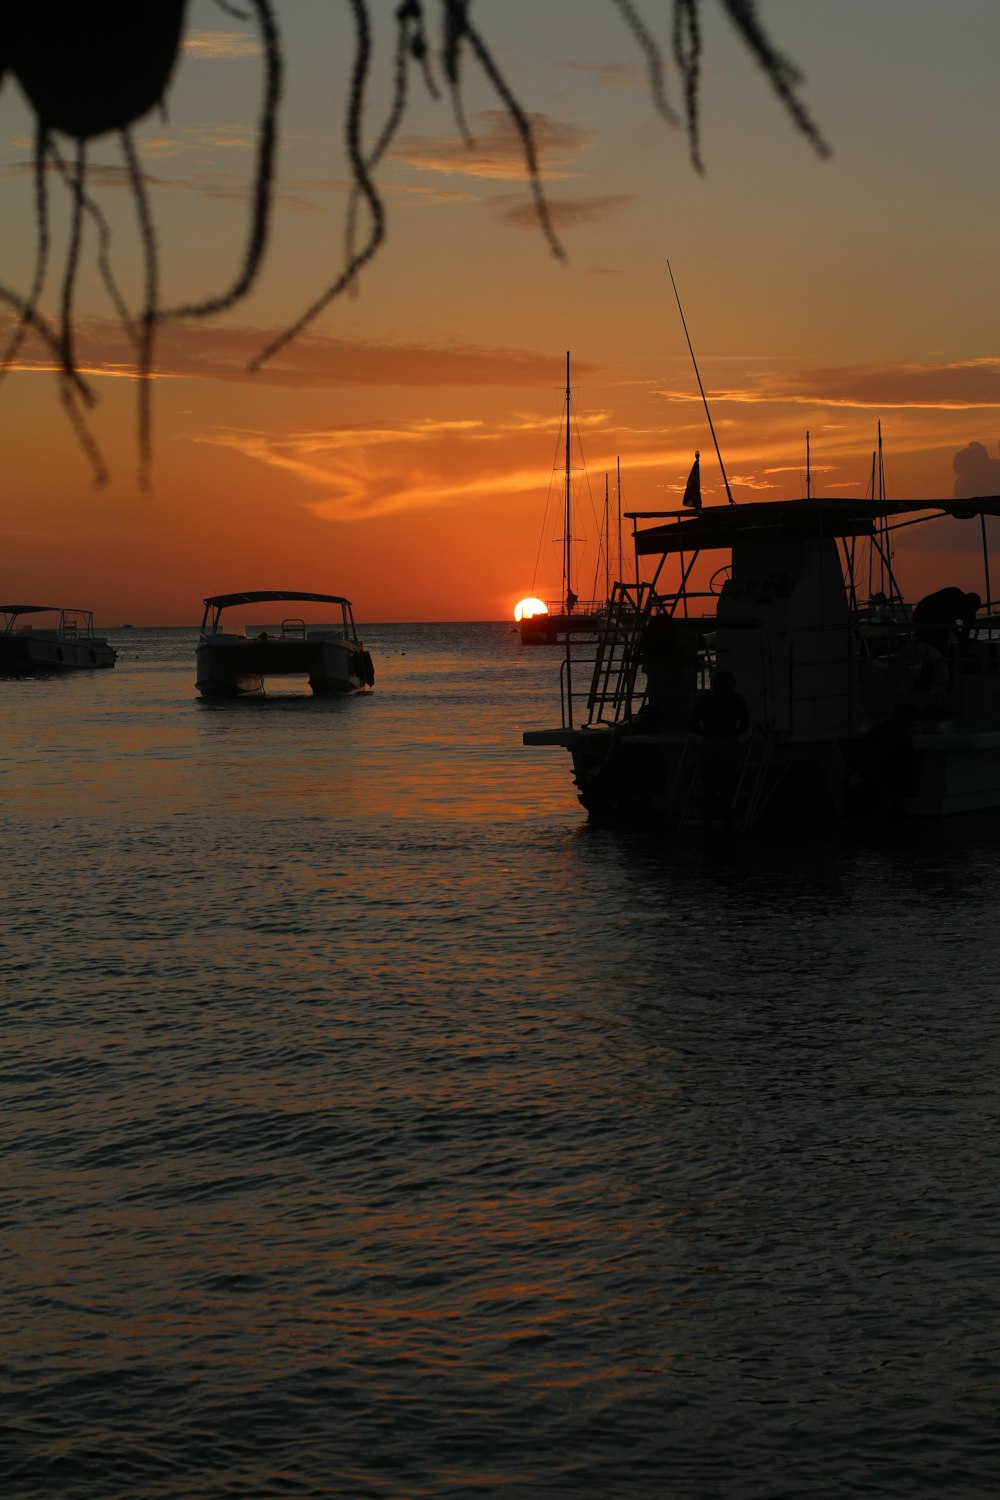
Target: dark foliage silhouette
92, 67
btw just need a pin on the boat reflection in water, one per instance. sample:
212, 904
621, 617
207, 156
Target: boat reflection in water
856, 701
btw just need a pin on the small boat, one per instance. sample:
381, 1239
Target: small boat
568, 615
67, 644
236, 663
856, 703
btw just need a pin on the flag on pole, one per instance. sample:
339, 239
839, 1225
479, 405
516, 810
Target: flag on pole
692, 493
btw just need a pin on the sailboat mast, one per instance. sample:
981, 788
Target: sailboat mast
567, 527
619, 574
808, 468
887, 579
607, 542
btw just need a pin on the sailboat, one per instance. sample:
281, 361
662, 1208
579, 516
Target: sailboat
568, 615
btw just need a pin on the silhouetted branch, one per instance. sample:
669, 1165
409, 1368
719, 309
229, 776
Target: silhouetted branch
85, 112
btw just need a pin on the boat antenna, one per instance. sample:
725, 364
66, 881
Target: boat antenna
701, 388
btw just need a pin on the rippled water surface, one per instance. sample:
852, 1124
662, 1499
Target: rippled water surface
373, 1126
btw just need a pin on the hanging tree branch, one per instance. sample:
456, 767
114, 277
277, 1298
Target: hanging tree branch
96, 68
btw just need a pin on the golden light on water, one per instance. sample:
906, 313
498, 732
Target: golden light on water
526, 608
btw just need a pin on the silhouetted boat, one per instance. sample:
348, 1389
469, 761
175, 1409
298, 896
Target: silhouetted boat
67, 645
237, 663
855, 704
568, 615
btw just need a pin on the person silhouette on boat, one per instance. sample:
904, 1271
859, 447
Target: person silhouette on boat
720, 716
946, 619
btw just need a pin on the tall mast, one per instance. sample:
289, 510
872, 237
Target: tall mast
808, 468
568, 528
619, 574
607, 542
884, 520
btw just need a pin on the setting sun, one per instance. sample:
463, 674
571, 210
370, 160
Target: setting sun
525, 609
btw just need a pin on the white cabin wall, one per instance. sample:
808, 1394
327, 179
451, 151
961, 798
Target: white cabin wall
784, 631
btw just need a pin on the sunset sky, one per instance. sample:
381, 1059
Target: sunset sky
401, 450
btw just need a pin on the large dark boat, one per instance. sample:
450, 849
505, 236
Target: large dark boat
855, 700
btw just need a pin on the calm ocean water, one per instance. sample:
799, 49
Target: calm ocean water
373, 1126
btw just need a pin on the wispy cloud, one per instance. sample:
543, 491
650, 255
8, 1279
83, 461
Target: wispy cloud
969, 384
197, 351
496, 150
379, 469
213, 45
565, 213
631, 75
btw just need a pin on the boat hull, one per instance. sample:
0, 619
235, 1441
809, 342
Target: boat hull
46, 651
552, 629
623, 774
657, 775
238, 667
955, 772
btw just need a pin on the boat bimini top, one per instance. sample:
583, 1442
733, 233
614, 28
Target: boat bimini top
67, 617
720, 525
216, 603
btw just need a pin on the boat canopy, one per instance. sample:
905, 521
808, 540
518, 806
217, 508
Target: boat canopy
30, 609
721, 525
260, 596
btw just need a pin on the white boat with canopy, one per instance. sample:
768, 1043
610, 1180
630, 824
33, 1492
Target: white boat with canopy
236, 663
63, 642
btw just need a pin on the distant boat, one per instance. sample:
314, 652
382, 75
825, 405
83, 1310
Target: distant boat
234, 664
68, 644
568, 615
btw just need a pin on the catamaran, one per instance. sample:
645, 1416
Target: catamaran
237, 663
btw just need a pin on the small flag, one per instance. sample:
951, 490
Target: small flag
692, 494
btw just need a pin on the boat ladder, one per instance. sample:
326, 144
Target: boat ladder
748, 797
612, 685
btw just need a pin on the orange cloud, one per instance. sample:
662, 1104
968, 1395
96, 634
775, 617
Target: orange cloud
967, 384
212, 45
206, 351
383, 468
496, 149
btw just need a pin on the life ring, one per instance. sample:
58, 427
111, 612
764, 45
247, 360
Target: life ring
916, 672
